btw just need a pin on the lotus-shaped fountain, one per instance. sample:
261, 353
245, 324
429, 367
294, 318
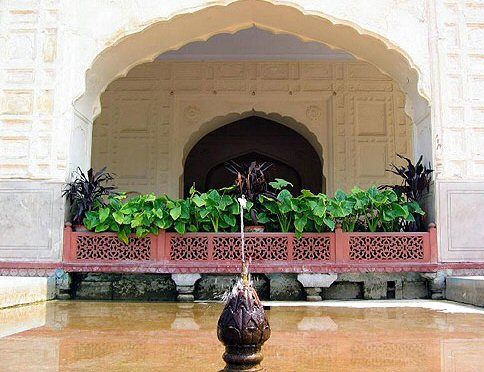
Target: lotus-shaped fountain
243, 328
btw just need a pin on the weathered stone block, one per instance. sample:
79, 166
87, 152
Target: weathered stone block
469, 290
436, 284
94, 291
343, 291
375, 289
411, 290
144, 287
285, 287
63, 282
15, 290
100, 277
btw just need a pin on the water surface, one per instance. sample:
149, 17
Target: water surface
114, 336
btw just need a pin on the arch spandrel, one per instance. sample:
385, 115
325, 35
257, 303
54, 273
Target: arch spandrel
203, 21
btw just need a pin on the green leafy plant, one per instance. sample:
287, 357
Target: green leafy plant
141, 215
218, 211
86, 192
215, 210
278, 211
372, 210
312, 213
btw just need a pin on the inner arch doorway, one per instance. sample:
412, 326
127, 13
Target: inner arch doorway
253, 139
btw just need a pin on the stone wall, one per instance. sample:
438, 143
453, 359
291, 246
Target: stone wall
351, 113
56, 58
460, 131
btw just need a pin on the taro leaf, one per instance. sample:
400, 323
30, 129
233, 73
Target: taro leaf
300, 222
123, 236
180, 227
230, 219
280, 184
175, 212
103, 214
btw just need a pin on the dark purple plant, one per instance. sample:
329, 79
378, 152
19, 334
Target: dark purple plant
86, 192
251, 181
416, 180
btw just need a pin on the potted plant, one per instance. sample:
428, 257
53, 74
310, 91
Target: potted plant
86, 192
252, 182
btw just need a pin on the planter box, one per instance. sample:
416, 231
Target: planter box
269, 252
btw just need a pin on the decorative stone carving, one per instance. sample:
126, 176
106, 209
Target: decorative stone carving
185, 285
312, 248
314, 113
313, 283
100, 247
187, 248
386, 248
192, 113
63, 283
258, 248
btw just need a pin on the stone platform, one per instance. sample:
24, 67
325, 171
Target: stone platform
276, 287
15, 290
466, 289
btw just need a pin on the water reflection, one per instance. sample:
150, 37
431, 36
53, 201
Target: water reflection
177, 337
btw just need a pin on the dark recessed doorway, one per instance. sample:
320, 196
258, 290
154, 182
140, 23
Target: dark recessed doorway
253, 139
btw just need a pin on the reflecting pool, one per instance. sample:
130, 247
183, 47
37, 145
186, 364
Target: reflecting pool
114, 336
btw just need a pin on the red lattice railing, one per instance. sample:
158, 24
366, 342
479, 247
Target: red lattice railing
269, 252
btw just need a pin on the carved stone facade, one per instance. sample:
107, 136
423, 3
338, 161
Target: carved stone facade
351, 113
57, 57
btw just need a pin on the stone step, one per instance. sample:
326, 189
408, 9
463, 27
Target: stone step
15, 290
466, 289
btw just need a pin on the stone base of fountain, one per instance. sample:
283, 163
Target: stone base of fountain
243, 328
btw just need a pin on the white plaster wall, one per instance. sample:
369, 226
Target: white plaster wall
351, 113
46, 47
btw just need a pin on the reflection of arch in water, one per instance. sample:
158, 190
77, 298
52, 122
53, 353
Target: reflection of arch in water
249, 139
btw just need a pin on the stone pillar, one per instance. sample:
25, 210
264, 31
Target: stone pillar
436, 284
313, 283
185, 285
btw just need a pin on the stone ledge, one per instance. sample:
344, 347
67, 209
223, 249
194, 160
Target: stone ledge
466, 289
16, 290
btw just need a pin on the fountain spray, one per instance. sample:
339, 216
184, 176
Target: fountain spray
243, 326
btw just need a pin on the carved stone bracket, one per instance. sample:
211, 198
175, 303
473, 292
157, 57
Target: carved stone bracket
313, 283
185, 285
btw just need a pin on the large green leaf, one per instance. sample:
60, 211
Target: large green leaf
280, 184
300, 222
230, 219
118, 217
175, 212
180, 228
103, 214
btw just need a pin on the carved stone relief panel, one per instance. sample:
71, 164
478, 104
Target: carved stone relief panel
349, 110
133, 151
28, 75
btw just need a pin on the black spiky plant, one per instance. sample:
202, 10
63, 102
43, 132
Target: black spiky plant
416, 181
252, 182
87, 192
